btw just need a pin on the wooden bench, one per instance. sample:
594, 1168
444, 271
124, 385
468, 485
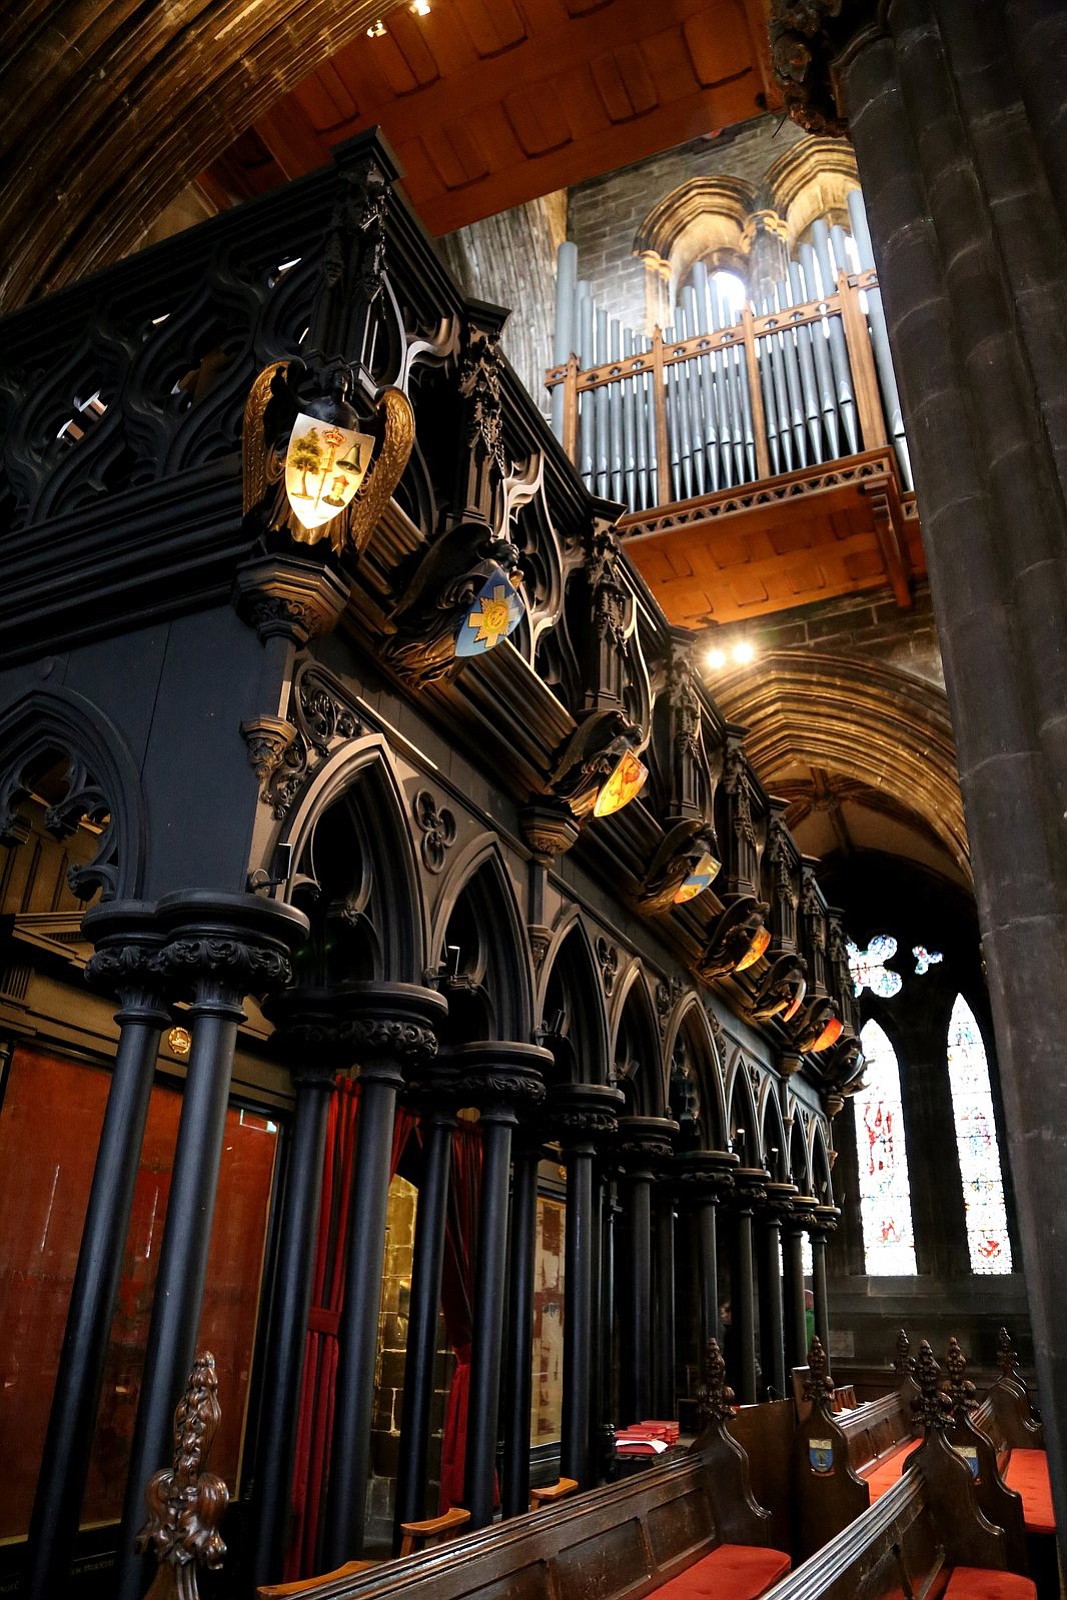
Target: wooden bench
926, 1536
686, 1529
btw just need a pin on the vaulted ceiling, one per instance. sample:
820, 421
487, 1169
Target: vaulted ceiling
108, 112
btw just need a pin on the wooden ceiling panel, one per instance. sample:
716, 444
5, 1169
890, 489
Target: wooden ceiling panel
490, 103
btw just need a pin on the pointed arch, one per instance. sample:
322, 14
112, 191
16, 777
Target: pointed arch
881, 1142
362, 774
742, 1117
981, 1171
821, 1167
102, 777
637, 1051
478, 899
570, 983
773, 1137
799, 1154
689, 1020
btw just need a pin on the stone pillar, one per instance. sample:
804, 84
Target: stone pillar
501, 1080
219, 948
518, 1382
387, 1026
794, 1227
824, 1221
126, 965
643, 1141
953, 111
581, 1114
706, 1176
776, 1207
307, 1032
749, 1184
663, 1279
437, 1121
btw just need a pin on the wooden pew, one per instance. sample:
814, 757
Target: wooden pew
675, 1527
926, 1536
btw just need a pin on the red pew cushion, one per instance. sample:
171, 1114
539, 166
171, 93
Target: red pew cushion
1028, 1473
730, 1572
981, 1583
888, 1472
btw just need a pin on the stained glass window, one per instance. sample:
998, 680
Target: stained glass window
976, 1141
885, 1193
925, 959
868, 967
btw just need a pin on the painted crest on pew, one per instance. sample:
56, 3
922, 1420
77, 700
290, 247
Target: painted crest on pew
821, 1457
324, 466
970, 1457
496, 612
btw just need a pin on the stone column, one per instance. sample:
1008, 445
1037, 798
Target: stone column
794, 1227
500, 1079
307, 1031
643, 1142
824, 1221
518, 1381
707, 1177
126, 965
437, 1121
219, 948
581, 1114
776, 1206
749, 1186
953, 111
663, 1282
388, 1026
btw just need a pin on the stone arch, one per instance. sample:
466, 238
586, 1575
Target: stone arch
742, 1116
478, 898
799, 1154
636, 1048
773, 1137
362, 772
863, 719
571, 982
821, 1169
703, 219
811, 180
690, 1019
101, 780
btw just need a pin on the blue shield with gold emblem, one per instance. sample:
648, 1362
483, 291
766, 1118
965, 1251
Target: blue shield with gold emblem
821, 1457
496, 612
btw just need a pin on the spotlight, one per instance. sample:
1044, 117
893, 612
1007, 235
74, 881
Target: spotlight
377, 29
716, 660
744, 652
420, 8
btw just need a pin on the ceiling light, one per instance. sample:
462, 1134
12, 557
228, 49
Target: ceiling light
419, 8
716, 660
377, 29
744, 652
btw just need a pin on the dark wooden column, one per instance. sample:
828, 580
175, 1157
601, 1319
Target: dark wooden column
663, 1357
604, 1422
502, 1080
580, 1114
389, 1026
219, 948
748, 1193
824, 1221
437, 1120
643, 1142
125, 964
953, 110
706, 1178
776, 1206
794, 1227
307, 1031
518, 1380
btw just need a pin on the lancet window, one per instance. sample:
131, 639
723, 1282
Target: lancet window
976, 1141
885, 1192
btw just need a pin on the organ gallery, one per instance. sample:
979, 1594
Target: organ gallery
531, 806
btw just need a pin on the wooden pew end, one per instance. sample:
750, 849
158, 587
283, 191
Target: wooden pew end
551, 1492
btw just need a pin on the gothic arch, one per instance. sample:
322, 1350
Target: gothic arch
102, 777
636, 1048
689, 1017
479, 880
865, 720
571, 981
773, 1137
812, 179
702, 220
742, 1114
821, 1170
363, 771
799, 1155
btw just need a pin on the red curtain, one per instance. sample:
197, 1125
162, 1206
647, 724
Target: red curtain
315, 1421
457, 1298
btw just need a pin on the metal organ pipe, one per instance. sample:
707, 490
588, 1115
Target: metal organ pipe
821, 350
846, 404
883, 359
806, 360
565, 340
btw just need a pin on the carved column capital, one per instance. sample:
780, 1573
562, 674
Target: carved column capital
308, 1035
778, 1201
504, 1080
583, 1115
549, 828
807, 37
802, 1213
222, 947
750, 1187
390, 1028
289, 597
126, 959
644, 1145
824, 1220
706, 1174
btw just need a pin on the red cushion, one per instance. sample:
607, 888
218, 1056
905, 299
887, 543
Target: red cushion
888, 1472
980, 1583
1028, 1473
730, 1572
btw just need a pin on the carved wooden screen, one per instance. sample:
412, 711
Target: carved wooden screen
885, 1192
976, 1141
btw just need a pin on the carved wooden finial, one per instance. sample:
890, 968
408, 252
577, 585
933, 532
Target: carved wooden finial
185, 1503
818, 1385
932, 1408
959, 1388
1007, 1360
715, 1398
903, 1362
